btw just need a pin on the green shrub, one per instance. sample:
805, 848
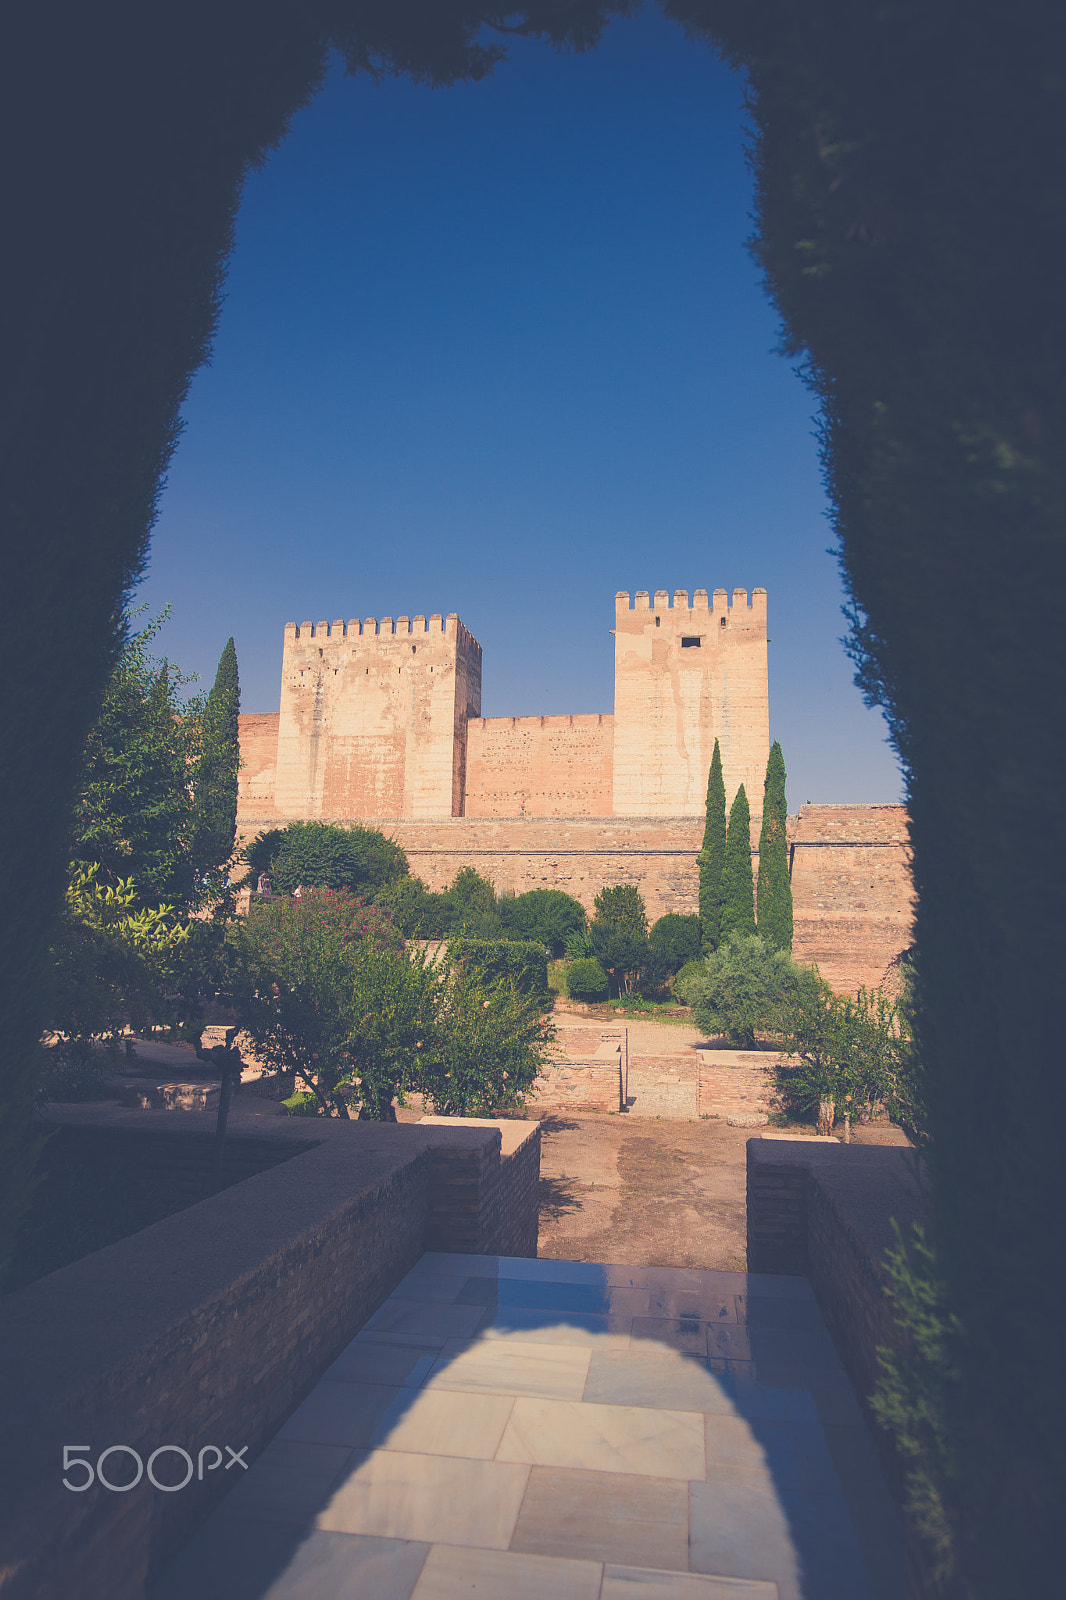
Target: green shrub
489, 1046
689, 982
322, 856
549, 916
748, 987
492, 961
586, 980
676, 939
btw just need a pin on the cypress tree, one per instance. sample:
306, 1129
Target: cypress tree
774, 894
738, 887
712, 855
215, 785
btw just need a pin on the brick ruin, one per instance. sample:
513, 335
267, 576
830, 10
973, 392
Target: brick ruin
380, 723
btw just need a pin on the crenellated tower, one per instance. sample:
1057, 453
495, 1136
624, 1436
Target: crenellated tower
374, 716
684, 675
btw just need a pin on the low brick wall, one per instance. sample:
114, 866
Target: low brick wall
579, 1086
735, 1083
825, 1211
209, 1327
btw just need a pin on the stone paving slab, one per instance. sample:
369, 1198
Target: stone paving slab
527, 1430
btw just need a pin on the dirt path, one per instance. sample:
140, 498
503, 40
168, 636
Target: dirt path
648, 1192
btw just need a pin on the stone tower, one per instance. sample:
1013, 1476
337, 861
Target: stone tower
685, 675
374, 716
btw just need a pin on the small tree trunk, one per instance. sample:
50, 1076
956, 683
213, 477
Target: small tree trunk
847, 1126
826, 1116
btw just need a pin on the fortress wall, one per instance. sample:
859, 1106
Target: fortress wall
852, 892
686, 674
539, 766
851, 886
258, 734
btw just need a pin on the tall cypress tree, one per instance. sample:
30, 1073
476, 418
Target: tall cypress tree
214, 828
738, 886
712, 855
774, 895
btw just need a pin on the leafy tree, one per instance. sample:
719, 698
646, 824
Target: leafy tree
113, 962
676, 939
259, 855
738, 884
748, 987
774, 894
853, 1053
549, 916
689, 982
134, 815
619, 933
307, 984
523, 962
417, 912
214, 793
321, 855
623, 907
489, 1046
473, 899
712, 854
586, 980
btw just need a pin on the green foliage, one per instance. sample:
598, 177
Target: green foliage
473, 902
259, 856
586, 980
913, 1398
854, 1055
579, 946
712, 854
885, 139
689, 982
738, 884
490, 1044
774, 893
96, 376
622, 906
328, 994
214, 789
520, 962
321, 984
748, 987
549, 916
415, 911
675, 940
322, 856
134, 820
112, 963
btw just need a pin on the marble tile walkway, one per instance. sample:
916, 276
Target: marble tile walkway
511, 1429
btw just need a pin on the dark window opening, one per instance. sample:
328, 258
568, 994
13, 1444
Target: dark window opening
724, 620
688, 643
657, 622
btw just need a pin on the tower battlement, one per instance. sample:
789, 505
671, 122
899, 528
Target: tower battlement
381, 717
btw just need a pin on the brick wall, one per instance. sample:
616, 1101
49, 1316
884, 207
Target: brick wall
539, 766
211, 1326
825, 1211
258, 734
735, 1083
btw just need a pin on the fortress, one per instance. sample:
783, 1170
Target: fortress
380, 722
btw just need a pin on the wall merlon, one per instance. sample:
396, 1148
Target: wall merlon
662, 600
681, 600
700, 602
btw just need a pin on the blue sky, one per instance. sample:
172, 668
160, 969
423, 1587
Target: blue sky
499, 349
